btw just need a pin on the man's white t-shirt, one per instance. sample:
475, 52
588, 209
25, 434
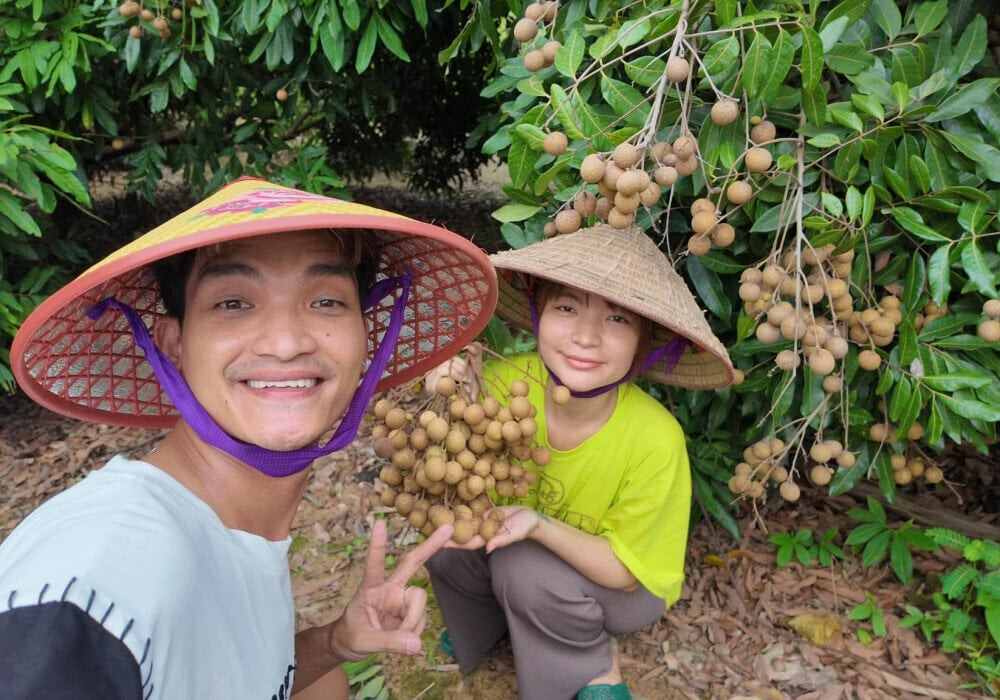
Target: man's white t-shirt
129, 559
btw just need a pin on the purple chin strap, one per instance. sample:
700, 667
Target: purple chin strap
671, 351
270, 462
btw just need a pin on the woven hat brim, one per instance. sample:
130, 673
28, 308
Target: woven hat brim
597, 261
93, 371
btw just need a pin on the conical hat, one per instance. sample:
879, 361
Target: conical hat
92, 370
625, 267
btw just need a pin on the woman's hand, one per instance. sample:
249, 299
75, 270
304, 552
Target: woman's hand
463, 369
518, 523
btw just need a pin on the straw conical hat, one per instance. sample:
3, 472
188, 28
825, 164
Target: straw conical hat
625, 267
92, 370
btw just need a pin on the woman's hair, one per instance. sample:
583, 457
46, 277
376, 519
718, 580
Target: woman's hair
545, 290
172, 273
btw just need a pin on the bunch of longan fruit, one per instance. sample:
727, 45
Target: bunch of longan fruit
526, 30
763, 464
446, 460
130, 8
909, 464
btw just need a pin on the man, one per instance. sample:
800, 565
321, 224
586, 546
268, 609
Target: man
167, 576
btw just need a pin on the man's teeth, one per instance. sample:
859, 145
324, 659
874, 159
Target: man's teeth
288, 384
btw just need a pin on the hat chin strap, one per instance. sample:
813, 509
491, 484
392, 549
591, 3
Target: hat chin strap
276, 463
671, 351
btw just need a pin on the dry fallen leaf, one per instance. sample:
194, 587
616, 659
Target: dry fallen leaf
815, 628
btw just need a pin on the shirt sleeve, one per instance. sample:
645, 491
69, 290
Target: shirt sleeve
56, 650
647, 525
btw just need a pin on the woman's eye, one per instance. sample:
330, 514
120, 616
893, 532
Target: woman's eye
329, 303
232, 305
619, 319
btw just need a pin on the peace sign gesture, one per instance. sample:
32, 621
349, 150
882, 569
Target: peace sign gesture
386, 614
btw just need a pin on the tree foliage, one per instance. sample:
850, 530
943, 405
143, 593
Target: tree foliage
299, 91
873, 211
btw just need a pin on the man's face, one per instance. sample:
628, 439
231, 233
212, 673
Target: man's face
273, 340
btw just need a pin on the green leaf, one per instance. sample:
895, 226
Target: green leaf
868, 105
520, 161
920, 172
965, 99
847, 118
970, 48
811, 58
939, 274
887, 17
953, 381
721, 55
756, 65
847, 162
911, 221
390, 39
901, 95
814, 105
970, 408
916, 278
624, 99
532, 135
782, 56
570, 55
563, 108
979, 272
710, 289
985, 155
901, 561
824, 140
366, 47
928, 15
849, 59
632, 32
645, 70
515, 212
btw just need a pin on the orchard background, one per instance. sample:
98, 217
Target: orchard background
825, 175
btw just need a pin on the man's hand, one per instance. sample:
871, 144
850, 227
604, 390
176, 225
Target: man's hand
386, 614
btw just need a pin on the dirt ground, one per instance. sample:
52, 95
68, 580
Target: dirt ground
728, 637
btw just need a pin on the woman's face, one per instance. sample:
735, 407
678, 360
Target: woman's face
585, 340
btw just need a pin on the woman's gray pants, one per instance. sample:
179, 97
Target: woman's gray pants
560, 622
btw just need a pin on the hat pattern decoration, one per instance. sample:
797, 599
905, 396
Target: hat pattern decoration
625, 267
94, 371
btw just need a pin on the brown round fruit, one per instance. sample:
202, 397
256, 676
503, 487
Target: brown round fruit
739, 192
763, 132
555, 143
820, 475
281, 95
534, 11
869, 360
549, 49
757, 160
135, 31
568, 221
790, 491
725, 111
992, 308
525, 30
129, 8
989, 330
592, 168
684, 147
665, 175
534, 60
620, 219
625, 155
699, 245
678, 69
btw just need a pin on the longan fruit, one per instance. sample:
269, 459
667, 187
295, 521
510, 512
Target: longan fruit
437, 429
757, 160
511, 431
651, 195
146, 15
603, 208
897, 461
135, 31
491, 405
989, 330
561, 395
417, 518
549, 49
821, 362
568, 221
403, 503
391, 476
626, 203
534, 11
686, 167
790, 491
632, 182
763, 132
739, 483
820, 475
129, 8
880, 432
625, 155
525, 30
520, 406
446, 386
699, 245
534, 60
832, 384
933, 475
519, 387
915, 466
915, 432
780, 311
684, 148
793, 327
665, 175
902, 476
837, 346
555, 143
585, 202
541, 455
869, 360
465, 530
703, 222
550, 7
177, 13
846, 459
620, 219
739, 192
769, 334
678, 69
160, 23
991, 308
592, 168
723, 234
395, 418
725, 111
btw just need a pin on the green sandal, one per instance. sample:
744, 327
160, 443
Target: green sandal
604, 691
445, 644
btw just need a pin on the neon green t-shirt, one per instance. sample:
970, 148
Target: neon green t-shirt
630, 482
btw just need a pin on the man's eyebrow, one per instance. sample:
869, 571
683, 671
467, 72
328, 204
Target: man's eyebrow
338, 269
233, 268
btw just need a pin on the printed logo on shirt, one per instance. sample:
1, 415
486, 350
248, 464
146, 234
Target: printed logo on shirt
285, 689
